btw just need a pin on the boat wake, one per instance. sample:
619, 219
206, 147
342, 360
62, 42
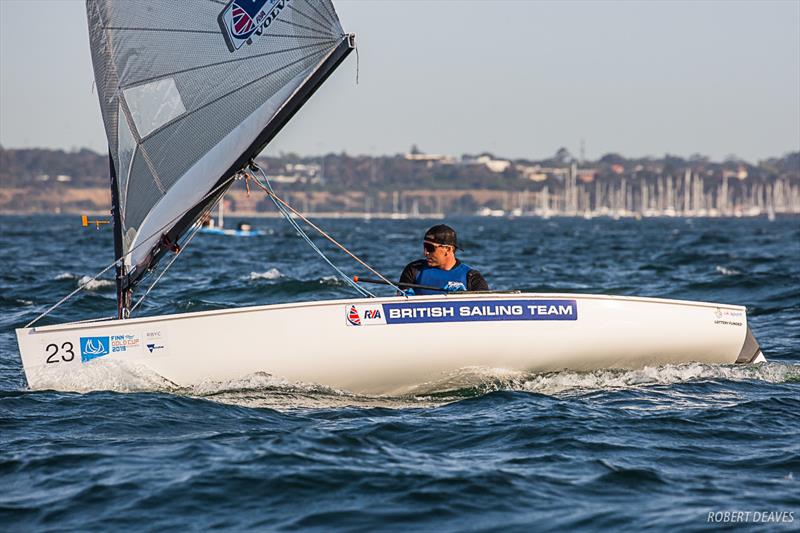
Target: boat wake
262, 390
470, 382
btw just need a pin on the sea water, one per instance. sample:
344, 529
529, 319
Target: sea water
677, 447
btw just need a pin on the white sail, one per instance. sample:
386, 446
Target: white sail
189, 92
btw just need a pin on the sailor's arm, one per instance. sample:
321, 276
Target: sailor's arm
475, 281
409, 275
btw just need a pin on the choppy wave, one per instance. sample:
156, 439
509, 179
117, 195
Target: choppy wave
727, 271
272, 273
90, 284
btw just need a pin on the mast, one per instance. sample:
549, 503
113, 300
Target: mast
123, 292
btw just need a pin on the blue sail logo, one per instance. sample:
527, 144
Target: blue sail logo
94, 347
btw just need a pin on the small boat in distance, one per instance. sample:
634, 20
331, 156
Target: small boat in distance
243, 229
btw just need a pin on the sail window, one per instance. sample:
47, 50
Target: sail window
154, 104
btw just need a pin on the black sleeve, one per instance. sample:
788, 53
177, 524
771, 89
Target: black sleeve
410, 272
475, 281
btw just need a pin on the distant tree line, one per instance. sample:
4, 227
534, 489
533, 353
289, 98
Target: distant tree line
40, 168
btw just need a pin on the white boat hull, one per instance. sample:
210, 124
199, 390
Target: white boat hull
390, 345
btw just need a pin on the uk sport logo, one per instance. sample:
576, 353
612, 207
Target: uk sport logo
242, 18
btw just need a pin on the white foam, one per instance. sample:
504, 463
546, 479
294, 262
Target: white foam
98, 375
90, 284
331, 280
727, 271
265, 390
65, 275
272, 273
560, 382
565, 382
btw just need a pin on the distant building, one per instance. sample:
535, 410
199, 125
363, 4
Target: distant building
494, 165
740, 173
586, 175
433, 158
539, 173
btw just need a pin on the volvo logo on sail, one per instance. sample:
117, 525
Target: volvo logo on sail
242, 18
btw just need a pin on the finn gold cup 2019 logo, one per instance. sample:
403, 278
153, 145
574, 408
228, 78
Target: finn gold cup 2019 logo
242, 18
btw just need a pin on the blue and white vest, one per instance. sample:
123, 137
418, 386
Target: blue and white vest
453, 280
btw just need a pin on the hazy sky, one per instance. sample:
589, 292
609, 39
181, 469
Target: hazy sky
519, 79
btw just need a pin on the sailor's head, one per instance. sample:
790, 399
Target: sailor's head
440, 244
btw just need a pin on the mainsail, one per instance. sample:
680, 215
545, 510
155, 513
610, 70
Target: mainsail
190, 91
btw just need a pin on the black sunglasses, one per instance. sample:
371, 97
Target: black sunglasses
431, 247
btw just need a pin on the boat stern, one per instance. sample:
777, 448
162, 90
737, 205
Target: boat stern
751, 351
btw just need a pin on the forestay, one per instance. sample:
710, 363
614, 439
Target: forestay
189, 92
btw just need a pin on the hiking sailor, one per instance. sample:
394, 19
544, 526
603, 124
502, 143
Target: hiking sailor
441, 268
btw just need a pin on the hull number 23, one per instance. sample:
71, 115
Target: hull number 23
59, 354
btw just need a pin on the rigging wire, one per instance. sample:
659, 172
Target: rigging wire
81, 286
284, 208
116, 262
174, 257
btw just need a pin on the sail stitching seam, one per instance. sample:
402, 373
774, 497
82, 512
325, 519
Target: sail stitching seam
126, 113
151, 166
326, 19
332, 15
193, 111
218, 63
309, 17
304, 27
165, 30
140, 144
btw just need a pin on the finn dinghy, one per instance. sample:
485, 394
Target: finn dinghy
190, 94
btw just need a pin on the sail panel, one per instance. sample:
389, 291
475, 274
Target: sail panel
127, 146
193, 184
141, 185
200, 81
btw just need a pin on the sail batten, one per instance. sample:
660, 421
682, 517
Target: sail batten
189, 91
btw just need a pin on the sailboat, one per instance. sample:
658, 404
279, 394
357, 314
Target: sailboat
189, 95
